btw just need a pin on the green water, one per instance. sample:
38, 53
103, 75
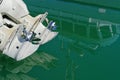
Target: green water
101, 64
74, 49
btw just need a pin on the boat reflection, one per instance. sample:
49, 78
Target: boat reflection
17, 70
16, 77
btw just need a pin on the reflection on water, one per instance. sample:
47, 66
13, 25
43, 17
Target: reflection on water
84, 30
79, 32
78, 35
16, 77
17, 70
71, 67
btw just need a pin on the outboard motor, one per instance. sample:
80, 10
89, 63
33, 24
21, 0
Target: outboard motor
20, 33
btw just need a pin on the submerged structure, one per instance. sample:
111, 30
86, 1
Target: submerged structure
83, 26
21, 34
